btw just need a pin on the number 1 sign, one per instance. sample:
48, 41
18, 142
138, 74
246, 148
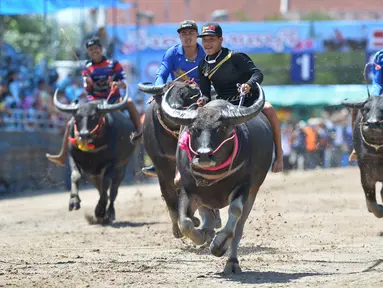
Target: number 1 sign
302, 67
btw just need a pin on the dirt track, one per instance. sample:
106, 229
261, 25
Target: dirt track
307, 229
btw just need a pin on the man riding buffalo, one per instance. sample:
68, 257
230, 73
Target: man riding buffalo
223, 69
224, 155
225, 150
99, 146
177, 61
367, 122
161, 135
101, 75
376, 90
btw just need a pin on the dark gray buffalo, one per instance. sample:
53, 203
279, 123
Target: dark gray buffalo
99, 146
160, 140
224, 156
368, 144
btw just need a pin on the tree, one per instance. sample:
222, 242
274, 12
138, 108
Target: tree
30, 34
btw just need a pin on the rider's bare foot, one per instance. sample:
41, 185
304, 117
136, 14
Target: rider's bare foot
353, 156
57, 159
177, 179
278, 163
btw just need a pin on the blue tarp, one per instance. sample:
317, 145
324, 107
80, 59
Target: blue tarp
17, 7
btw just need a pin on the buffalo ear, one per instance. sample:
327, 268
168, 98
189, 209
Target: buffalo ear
157, 98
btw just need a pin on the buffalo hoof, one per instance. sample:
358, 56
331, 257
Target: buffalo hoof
74, 203
99, 212
196, 221
232, 267
210, 233
375, 209
177, 232
188, 230
110, 215
220, 244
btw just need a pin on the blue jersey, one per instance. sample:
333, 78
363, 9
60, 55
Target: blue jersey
377, 80
175, 63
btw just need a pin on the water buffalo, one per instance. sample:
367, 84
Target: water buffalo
160, 141
99, 146
368, 144
224, 155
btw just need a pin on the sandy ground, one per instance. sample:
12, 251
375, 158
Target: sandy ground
307, 229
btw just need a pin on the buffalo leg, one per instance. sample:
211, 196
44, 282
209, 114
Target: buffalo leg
74, 199
217, 216
224, 237
381, 193
186, 211
232, 264
116, 181
170, 196
208, 222
99, 182
370, 194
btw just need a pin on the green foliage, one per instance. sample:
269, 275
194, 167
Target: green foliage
330, 68
27, 33
275, 67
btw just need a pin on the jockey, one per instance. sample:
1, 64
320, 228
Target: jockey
99, 76
376, 90
178, 60
223, 69
183, 57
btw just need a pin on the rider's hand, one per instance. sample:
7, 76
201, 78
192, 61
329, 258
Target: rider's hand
245, 88
202, 100
118, 84
88, 82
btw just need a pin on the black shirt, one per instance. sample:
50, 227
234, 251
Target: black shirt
239, 68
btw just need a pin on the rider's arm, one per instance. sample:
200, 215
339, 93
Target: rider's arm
87, 79
119, 74
165, 68
204, 82
246, 65
377, 80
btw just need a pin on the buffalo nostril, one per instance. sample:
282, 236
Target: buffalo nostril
204, 160
373, 124
204, 157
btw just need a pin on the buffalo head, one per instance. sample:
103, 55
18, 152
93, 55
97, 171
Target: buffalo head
372, 116
211, 128
89, 116
183, 94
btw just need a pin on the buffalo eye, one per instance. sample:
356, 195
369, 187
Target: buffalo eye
366, 109
194, 131
222, 128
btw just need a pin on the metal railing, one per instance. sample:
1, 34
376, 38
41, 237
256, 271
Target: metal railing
32, 120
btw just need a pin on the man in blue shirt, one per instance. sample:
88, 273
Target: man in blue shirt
178, 60
182, 58
376, 90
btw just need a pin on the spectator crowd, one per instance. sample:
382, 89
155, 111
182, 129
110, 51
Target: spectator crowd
321, 142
